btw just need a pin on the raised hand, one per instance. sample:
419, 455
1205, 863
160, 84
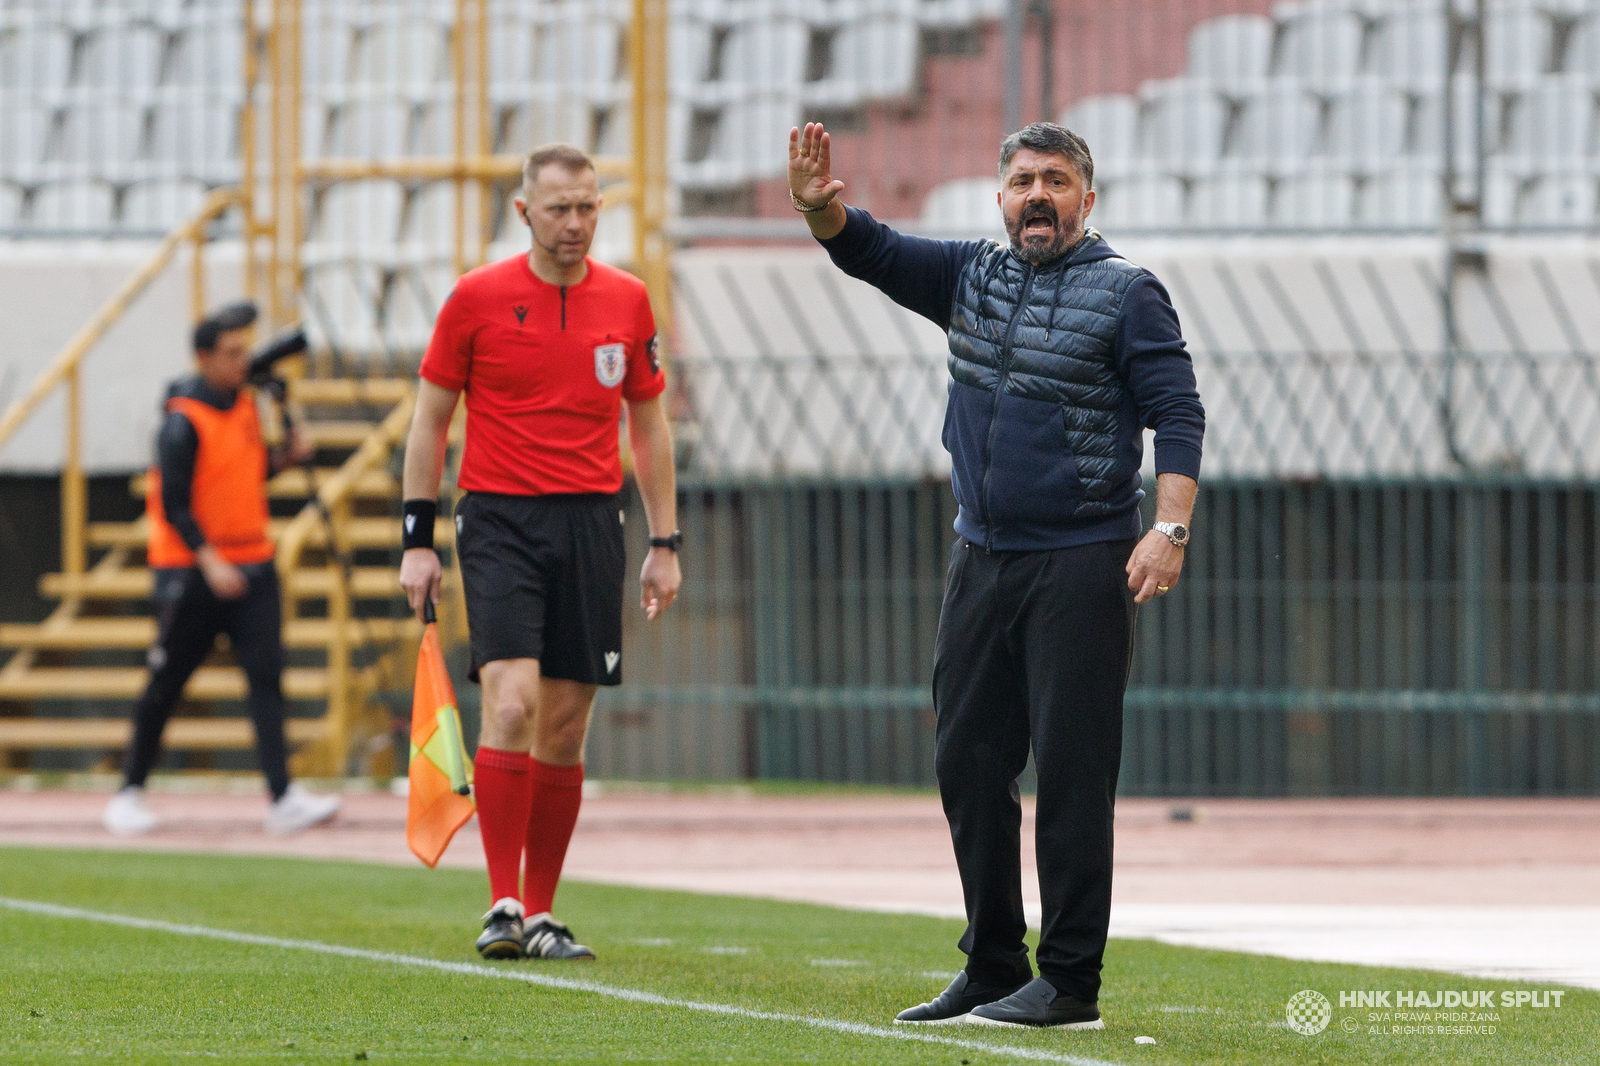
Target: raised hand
810, 177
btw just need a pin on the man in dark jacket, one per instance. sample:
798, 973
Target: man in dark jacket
1061, 353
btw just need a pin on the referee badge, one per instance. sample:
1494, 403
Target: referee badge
610, 364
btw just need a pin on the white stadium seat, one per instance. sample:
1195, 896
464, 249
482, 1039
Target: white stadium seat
1145, 201
156, 205
1314, 199
197, 135
568, 118
1109, 125
1402, 198
748, 140
74, 205
1233, 51
579, 54
1369, 122
372, 127
1183, 126
874, 59
356, 220
412, 304
966, 205
36, 56
210, 54
407, 55
690, 49
122, 57
1228, 201
343, 299
1410, 47
759, 57
10, 205
1279, 126
101, 136
429, 232
25, 130
1519, 41
1320, 45
1553, 122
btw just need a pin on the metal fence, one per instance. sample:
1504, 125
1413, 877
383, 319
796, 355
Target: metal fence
1327, 638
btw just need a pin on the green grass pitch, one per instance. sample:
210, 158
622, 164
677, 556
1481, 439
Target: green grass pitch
73, 990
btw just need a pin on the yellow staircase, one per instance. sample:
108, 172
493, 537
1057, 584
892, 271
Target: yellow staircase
347, 631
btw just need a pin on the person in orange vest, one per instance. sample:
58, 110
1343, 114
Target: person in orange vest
212, 561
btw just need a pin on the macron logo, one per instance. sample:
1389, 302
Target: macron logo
521, 312
411, 523
612, 659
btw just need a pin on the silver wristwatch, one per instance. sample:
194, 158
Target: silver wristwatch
1173, 531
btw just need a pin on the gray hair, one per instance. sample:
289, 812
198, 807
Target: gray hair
1054, 139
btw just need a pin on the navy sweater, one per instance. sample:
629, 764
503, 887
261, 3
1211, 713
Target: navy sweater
920, 275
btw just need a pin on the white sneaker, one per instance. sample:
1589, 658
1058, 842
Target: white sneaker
127, 814
299, 809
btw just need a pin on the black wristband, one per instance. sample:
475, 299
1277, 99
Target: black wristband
674, 542
416, 523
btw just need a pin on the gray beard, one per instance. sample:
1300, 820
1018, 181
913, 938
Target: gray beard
1040, 254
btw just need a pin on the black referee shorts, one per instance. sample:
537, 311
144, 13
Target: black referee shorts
543, 580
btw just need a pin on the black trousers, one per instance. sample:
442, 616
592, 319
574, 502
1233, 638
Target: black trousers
189, 617
1033, 648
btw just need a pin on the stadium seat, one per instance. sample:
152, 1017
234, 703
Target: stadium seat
1280, 125
125, 57
412, 304
954, 14
158, 204
1561, 199
197, 135
429, 230
1183, 126
1110, 126
747, 140
1320, 45
1232, 51
966, 205
1369, 123
758, 58
579, 54
210, 54
342, 304
1401, 198
1518, 44
101, 136
25, 130
1228, 201
1552, 123
356, 219
10, 205
36, 56
876, 58
1314, 199
1428, 129
691, 41
372, 127
78, 205
562, 118
408, 56
511, 54
1409, 47
1145, 201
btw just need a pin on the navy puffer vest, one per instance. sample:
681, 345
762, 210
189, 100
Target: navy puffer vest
1032, 423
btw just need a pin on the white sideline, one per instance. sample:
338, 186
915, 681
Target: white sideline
564, 983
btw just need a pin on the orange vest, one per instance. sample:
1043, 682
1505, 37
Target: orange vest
228, 496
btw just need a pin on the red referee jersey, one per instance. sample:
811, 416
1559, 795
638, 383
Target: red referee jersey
545, 369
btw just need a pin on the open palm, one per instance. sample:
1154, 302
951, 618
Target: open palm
810, 177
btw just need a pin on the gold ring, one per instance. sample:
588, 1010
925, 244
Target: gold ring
1163, 588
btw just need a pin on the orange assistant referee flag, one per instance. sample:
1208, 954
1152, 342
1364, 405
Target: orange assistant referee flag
441, 774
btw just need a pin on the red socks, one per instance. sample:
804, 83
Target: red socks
502, 784
557, 794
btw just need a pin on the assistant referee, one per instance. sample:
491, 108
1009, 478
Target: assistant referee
546, 348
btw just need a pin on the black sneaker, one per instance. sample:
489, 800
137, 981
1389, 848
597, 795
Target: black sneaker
1039, 1005
951, 1005
502, 930
545, 938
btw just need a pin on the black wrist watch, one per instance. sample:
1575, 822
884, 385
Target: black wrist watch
675, 542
